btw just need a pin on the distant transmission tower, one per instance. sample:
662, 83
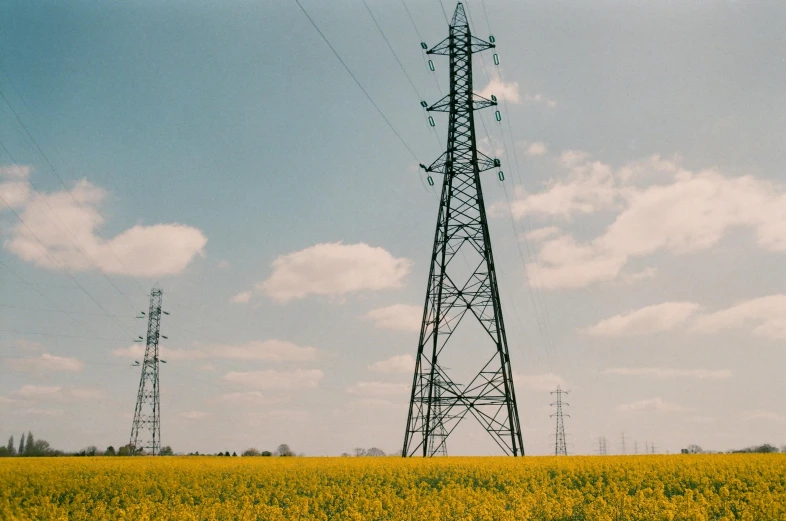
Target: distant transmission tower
462, 283
437, 445
602, 451
624, 452
146, 429
560, 446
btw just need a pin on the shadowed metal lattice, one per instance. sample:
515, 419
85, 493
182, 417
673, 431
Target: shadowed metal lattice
462, 283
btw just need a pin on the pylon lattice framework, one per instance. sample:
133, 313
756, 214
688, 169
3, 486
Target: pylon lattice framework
560, 444
436, 401
146, 429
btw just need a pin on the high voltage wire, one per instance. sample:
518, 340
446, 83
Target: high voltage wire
62, 267
546, 327
346, 67
404, 70
65, 229
62, 182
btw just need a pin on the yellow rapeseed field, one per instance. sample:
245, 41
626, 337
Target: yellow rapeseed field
703, 487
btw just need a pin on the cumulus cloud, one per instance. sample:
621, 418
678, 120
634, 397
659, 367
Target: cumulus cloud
763, 415
38, 391
658, 207
243, 398
282, 380
502, 90
67, 224
535, 149
540, 234
395, 364
45, 363
766, 315
267, 350
241, 298
663, 372
137, 352
376, 389
403, 317
194, 415
334, 269
14, 187
539, 382
653, 404
644, 321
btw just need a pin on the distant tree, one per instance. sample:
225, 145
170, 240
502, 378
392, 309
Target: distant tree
345, 454
11, 450
92, 450
4, 452
359, 451
29, 443
374, 451
692, 449
110, 451
251, 452
126, 450
783, 447
284, 450
167, 451
234, 453
21, 444
266, 453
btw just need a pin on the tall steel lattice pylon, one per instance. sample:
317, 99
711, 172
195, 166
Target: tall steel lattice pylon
560, 445
147, 415
462, 283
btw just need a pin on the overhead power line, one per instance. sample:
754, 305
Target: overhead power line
360, 85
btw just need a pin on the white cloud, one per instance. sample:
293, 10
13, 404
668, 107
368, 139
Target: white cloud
334, 269
502, 90
39, 391
376, 389
241, 298
535, 149
137, 352
223, 264
644, 321
14, 187
43, 412
87, 393
540, 234
654, 404
663, 372
539, 382
403, 317
270, 350
764, 415
646, 273
767, 316
45, 363
395, 364
658, 207
5, 400
67, 227
270, 379
246, 398
194, 415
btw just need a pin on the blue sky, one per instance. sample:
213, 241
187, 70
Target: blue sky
221, 150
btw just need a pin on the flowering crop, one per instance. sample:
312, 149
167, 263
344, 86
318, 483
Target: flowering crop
692, 488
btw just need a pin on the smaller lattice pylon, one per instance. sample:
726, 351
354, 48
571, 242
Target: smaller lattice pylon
560, 444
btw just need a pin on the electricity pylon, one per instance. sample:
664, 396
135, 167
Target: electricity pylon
462, 283
147, 414
560, 445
